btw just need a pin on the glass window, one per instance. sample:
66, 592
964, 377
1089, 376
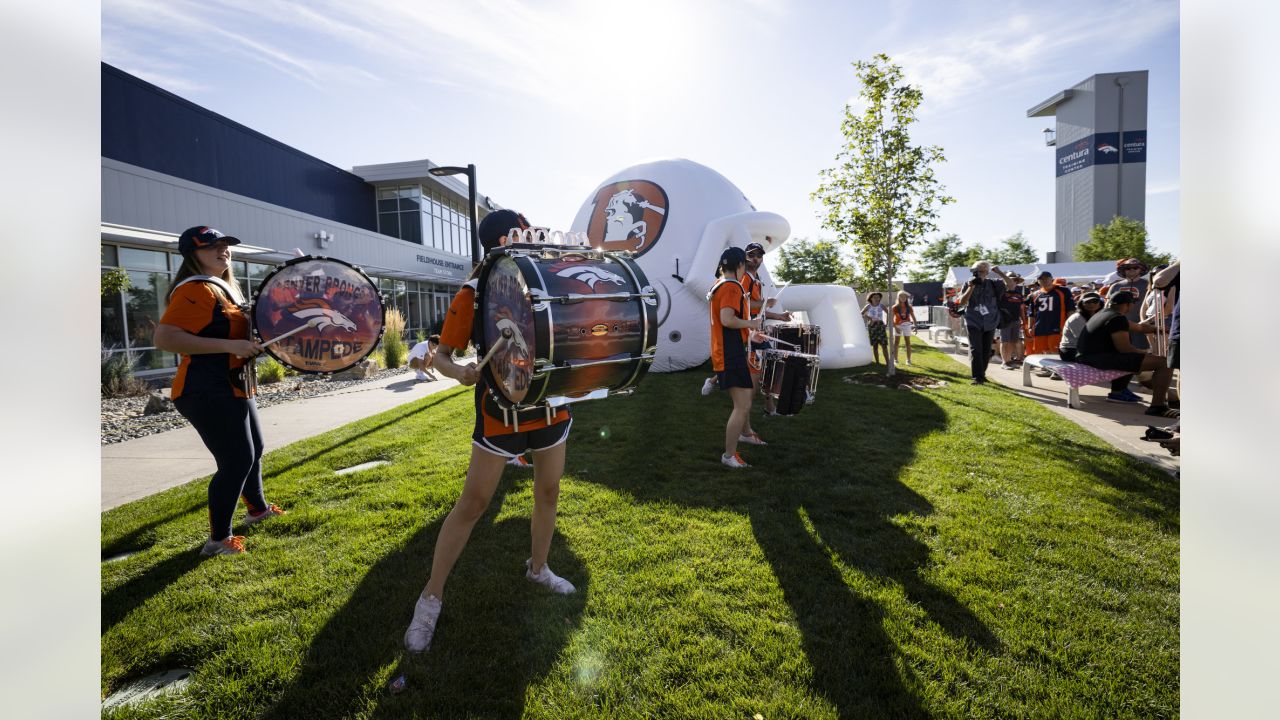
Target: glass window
411, 226
386, 285
391, 205
259, 272
145, 303
154, 359
389, 224
112, 322
387, 194
136, 259
409, 197
108, 255
240, 269
439, 237
175, 261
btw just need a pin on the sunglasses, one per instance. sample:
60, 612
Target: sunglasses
755, 255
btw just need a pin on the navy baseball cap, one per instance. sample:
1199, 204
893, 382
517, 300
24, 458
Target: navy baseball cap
1122, 296
201, 236
731, 257
497, 224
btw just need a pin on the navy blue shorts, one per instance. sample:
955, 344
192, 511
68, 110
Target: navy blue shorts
517, 443
736, 376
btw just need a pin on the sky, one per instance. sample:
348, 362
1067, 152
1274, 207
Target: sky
550, 98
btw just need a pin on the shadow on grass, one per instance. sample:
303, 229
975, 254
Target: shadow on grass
827, 487
121, 600
143, 536
398, 418
482, 657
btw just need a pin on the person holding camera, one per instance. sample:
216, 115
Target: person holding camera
980, 300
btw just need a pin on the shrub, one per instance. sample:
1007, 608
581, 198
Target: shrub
269, 370
394, 350
117, 375
114, 280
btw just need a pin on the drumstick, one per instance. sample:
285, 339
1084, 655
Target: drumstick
310, 323
506, 336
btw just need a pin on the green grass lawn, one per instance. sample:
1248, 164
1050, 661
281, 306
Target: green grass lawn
955, 552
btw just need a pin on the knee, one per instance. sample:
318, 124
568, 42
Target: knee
470, 507
546, 492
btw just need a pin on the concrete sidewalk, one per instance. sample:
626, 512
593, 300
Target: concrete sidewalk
137, 468
1119, 425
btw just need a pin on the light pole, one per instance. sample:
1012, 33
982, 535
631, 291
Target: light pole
470, 172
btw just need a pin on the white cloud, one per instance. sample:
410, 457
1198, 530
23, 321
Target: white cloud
957, 65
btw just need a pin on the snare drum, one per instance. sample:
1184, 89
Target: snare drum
583, 324
790, 378
802, 338
339, 300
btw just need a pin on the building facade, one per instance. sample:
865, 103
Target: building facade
168, 164
1100, 159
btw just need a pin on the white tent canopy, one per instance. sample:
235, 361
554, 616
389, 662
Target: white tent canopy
1074, 272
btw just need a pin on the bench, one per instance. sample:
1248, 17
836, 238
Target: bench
1075, 375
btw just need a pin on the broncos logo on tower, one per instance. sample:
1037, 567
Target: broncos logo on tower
312, 308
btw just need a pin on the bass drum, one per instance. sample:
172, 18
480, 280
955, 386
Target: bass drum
338, 306
790, 378
583, 324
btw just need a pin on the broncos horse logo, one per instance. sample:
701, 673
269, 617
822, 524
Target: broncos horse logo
590, 275
312, 309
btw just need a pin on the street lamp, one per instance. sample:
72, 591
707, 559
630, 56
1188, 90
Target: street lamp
470, 172
1050, 137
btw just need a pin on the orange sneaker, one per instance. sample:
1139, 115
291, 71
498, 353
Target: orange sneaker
231, 545
252, 518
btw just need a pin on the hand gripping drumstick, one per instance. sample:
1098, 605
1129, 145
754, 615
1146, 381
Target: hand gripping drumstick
506, 337
310, 323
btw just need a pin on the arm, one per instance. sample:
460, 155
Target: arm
1121, 340
1167, 275
730, 319
464, 374
1009, 282
172, 338
964, 296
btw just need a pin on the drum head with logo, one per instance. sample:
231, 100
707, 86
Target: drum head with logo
338, 303
507, 307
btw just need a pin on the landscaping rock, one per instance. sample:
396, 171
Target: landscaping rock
156, 404
362, 370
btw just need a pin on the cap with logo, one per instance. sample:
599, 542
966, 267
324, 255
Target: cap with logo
754, 247
202, 236
496, 225
1122, 265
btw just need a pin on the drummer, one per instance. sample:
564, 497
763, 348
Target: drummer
731, 323
755, 291
492, 444
214, 386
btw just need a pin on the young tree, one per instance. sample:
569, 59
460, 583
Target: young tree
1122, 238
801, 261
1015, 250
881, 197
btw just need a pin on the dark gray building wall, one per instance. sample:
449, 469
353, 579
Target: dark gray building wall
1103, 188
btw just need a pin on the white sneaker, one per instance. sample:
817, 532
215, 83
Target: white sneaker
734, 461
420, 375
425, 614
752, 439
548, 579
708, 385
